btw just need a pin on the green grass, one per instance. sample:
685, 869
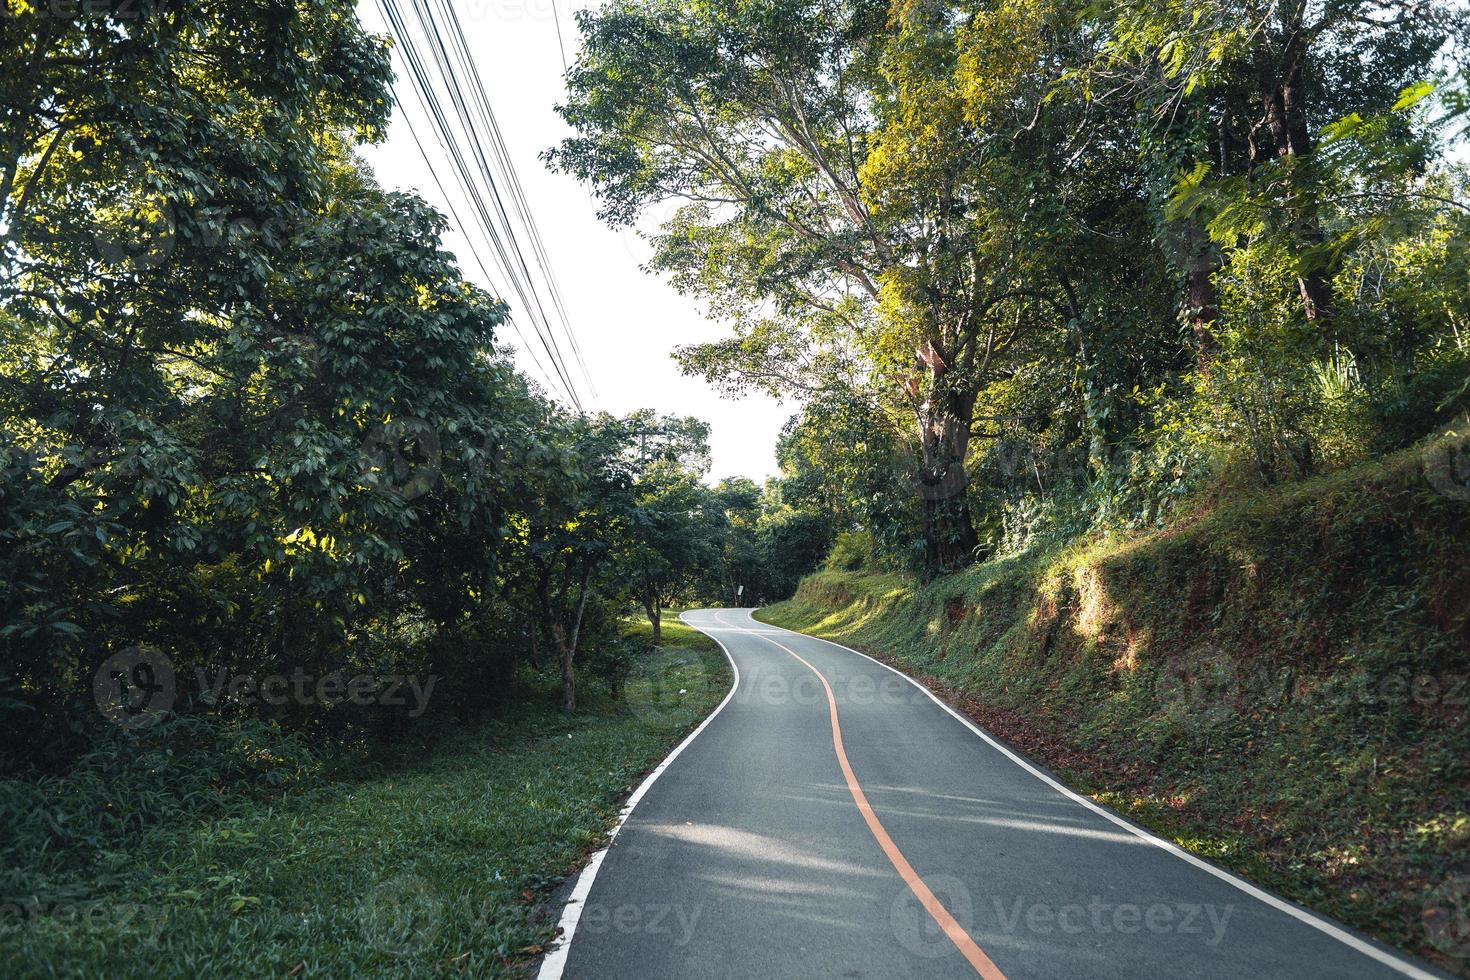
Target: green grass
675, 633
200, 850
1243, 683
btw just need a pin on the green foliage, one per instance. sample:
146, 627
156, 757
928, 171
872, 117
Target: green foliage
768, 542
676, 525
256, 424
852, 551
1032, 267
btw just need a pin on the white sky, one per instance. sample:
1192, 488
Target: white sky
627, 321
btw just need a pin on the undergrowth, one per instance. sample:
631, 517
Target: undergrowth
200, 848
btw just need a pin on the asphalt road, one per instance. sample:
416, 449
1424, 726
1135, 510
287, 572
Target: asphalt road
908, 846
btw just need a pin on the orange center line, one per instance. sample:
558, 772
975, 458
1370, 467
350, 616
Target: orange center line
956, 933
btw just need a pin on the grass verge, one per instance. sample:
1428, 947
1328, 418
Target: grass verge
202, 849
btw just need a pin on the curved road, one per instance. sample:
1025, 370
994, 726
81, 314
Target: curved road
831, 819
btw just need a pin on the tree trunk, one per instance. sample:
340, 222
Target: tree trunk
1201, 261
566, 653
566, 643
1286, 116
944, 439
569, 648
1094, 399
656, 620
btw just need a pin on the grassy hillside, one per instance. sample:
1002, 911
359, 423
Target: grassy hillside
1281, 685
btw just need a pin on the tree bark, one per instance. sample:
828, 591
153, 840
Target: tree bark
568, 679
566, 653
1286, 117
565, 640
944, 439
656, 620
1202, 302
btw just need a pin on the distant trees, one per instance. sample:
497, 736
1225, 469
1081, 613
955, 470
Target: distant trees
1053, 265
674, 542
769, 542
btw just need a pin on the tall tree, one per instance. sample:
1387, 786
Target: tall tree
673, 540
886, 198
1237, 90
757, 116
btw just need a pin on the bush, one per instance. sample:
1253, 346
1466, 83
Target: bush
1403, 409
851, 551
128, 785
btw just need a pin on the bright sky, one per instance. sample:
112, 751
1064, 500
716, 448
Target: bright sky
627, 321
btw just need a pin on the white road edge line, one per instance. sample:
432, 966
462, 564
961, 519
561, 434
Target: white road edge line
556, 960
1322, 925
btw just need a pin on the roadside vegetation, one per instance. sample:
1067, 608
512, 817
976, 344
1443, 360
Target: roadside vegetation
1035, 267
265, 454
314, 639
243, 849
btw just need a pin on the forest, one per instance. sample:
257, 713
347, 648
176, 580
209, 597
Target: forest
1036, 268
1033, 276
257, 420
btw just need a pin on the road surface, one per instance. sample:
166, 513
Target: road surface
831, 819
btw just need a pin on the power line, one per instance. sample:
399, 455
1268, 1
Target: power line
483, 169
430, 100
556, 19
512, 180
474, 251
517, 193
463, 110
465, 229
